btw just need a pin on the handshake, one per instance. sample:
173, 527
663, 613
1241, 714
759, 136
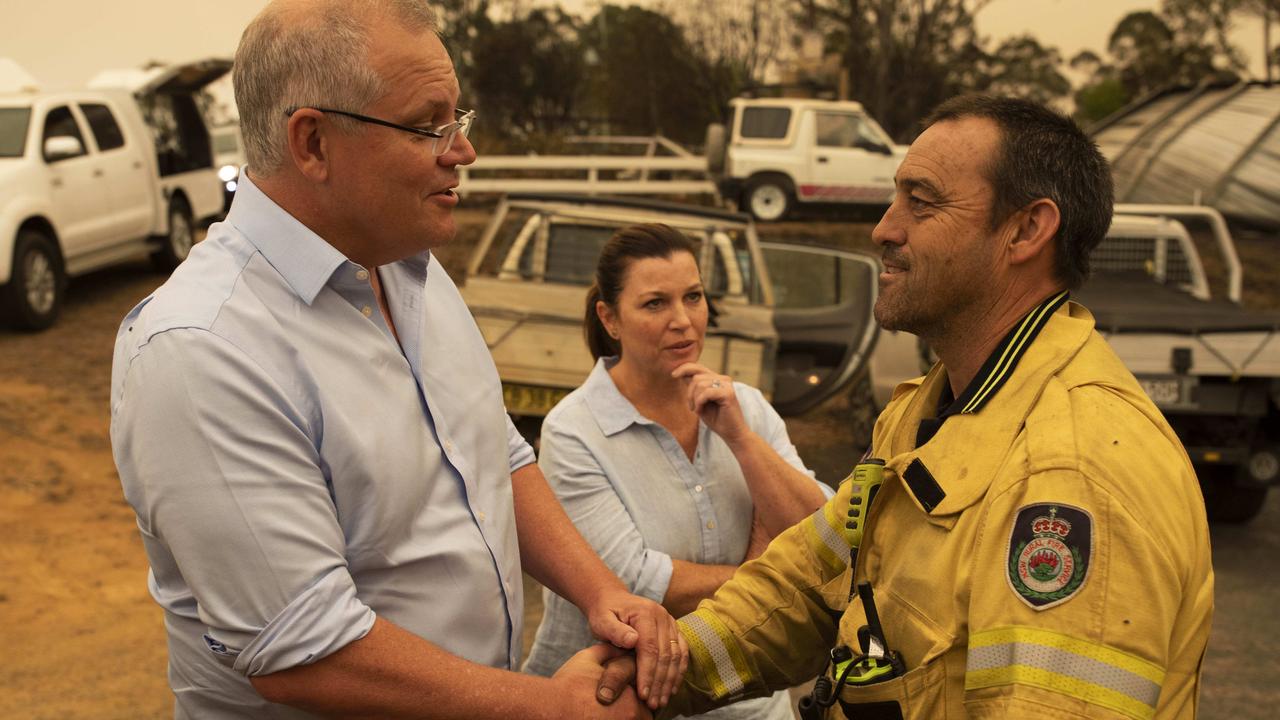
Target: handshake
610, 673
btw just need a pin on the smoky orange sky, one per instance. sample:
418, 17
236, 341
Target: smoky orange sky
62, 43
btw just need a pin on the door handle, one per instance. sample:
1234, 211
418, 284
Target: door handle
97, 172
137, 164
822, 159
56, 182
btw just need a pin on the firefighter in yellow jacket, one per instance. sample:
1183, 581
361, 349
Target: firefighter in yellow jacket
1038, 546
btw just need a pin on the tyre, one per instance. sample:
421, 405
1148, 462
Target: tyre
715, 148
176, 245
1226, 498
33, 297
768, 199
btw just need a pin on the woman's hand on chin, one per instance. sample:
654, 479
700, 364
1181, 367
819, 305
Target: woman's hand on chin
711, 396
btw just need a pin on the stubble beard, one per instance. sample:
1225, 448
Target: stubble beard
895, 311
931, 316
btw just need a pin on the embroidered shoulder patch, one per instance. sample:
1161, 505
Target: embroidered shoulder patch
1049, 551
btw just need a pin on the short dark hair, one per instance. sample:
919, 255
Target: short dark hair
1044, 154
636, 242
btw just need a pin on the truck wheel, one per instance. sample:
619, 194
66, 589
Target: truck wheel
33, 297
176, 245
1228, 500
715, 148
768, 199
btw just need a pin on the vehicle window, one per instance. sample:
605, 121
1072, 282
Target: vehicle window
13, 131
61, 123
1150, 257
716, 278
103, 126
804, 280
497, 259
572, 252
767, 123
844, 130
731, 271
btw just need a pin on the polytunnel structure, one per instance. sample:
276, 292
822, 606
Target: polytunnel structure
1215, 144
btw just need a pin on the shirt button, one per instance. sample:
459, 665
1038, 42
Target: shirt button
366, 311
362, 274
480, 515
697, 488
711, 524
448, 446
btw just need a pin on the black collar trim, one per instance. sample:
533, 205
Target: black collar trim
1004, 359
994, 372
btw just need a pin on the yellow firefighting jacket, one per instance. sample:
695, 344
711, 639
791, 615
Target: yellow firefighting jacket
1042, 551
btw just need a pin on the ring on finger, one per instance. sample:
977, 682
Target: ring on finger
715, 383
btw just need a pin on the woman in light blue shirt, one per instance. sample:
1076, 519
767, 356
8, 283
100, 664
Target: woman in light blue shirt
674, 474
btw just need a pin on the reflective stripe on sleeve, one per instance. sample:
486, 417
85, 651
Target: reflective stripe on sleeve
1063, 664
715, 653
828, 542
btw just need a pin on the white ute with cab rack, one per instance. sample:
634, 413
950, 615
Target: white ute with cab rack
95, 177
782, 153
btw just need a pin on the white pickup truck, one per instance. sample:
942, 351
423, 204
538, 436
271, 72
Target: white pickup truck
781, 153
100, 176
1211, 365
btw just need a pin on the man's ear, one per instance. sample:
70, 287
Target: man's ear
307, 140
1036, 226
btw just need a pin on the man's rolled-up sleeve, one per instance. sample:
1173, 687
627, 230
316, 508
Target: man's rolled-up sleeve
222, 467
519, 452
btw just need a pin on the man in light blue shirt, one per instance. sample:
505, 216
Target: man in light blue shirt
309, 426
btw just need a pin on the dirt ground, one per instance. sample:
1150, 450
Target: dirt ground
81, 638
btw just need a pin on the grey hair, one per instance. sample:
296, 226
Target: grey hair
291, 58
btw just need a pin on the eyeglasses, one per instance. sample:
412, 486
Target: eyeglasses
441, 136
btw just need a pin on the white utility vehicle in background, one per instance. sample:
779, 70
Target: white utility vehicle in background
1209, 364
95, 177
775, 154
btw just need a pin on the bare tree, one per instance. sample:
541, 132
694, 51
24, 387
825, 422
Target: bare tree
745, 36
900, 57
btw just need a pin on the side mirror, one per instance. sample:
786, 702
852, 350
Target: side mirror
61, 147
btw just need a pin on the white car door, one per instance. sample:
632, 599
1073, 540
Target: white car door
850, 161
130, 211
77, 186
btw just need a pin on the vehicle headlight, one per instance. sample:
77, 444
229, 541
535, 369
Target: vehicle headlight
227, 173
231, 186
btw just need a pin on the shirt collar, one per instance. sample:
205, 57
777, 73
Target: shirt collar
955, 467
1000, 365
304, 259
613, 412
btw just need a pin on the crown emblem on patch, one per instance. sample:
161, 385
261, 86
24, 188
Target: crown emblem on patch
1050, 525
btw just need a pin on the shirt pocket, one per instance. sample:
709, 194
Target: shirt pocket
919, 694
